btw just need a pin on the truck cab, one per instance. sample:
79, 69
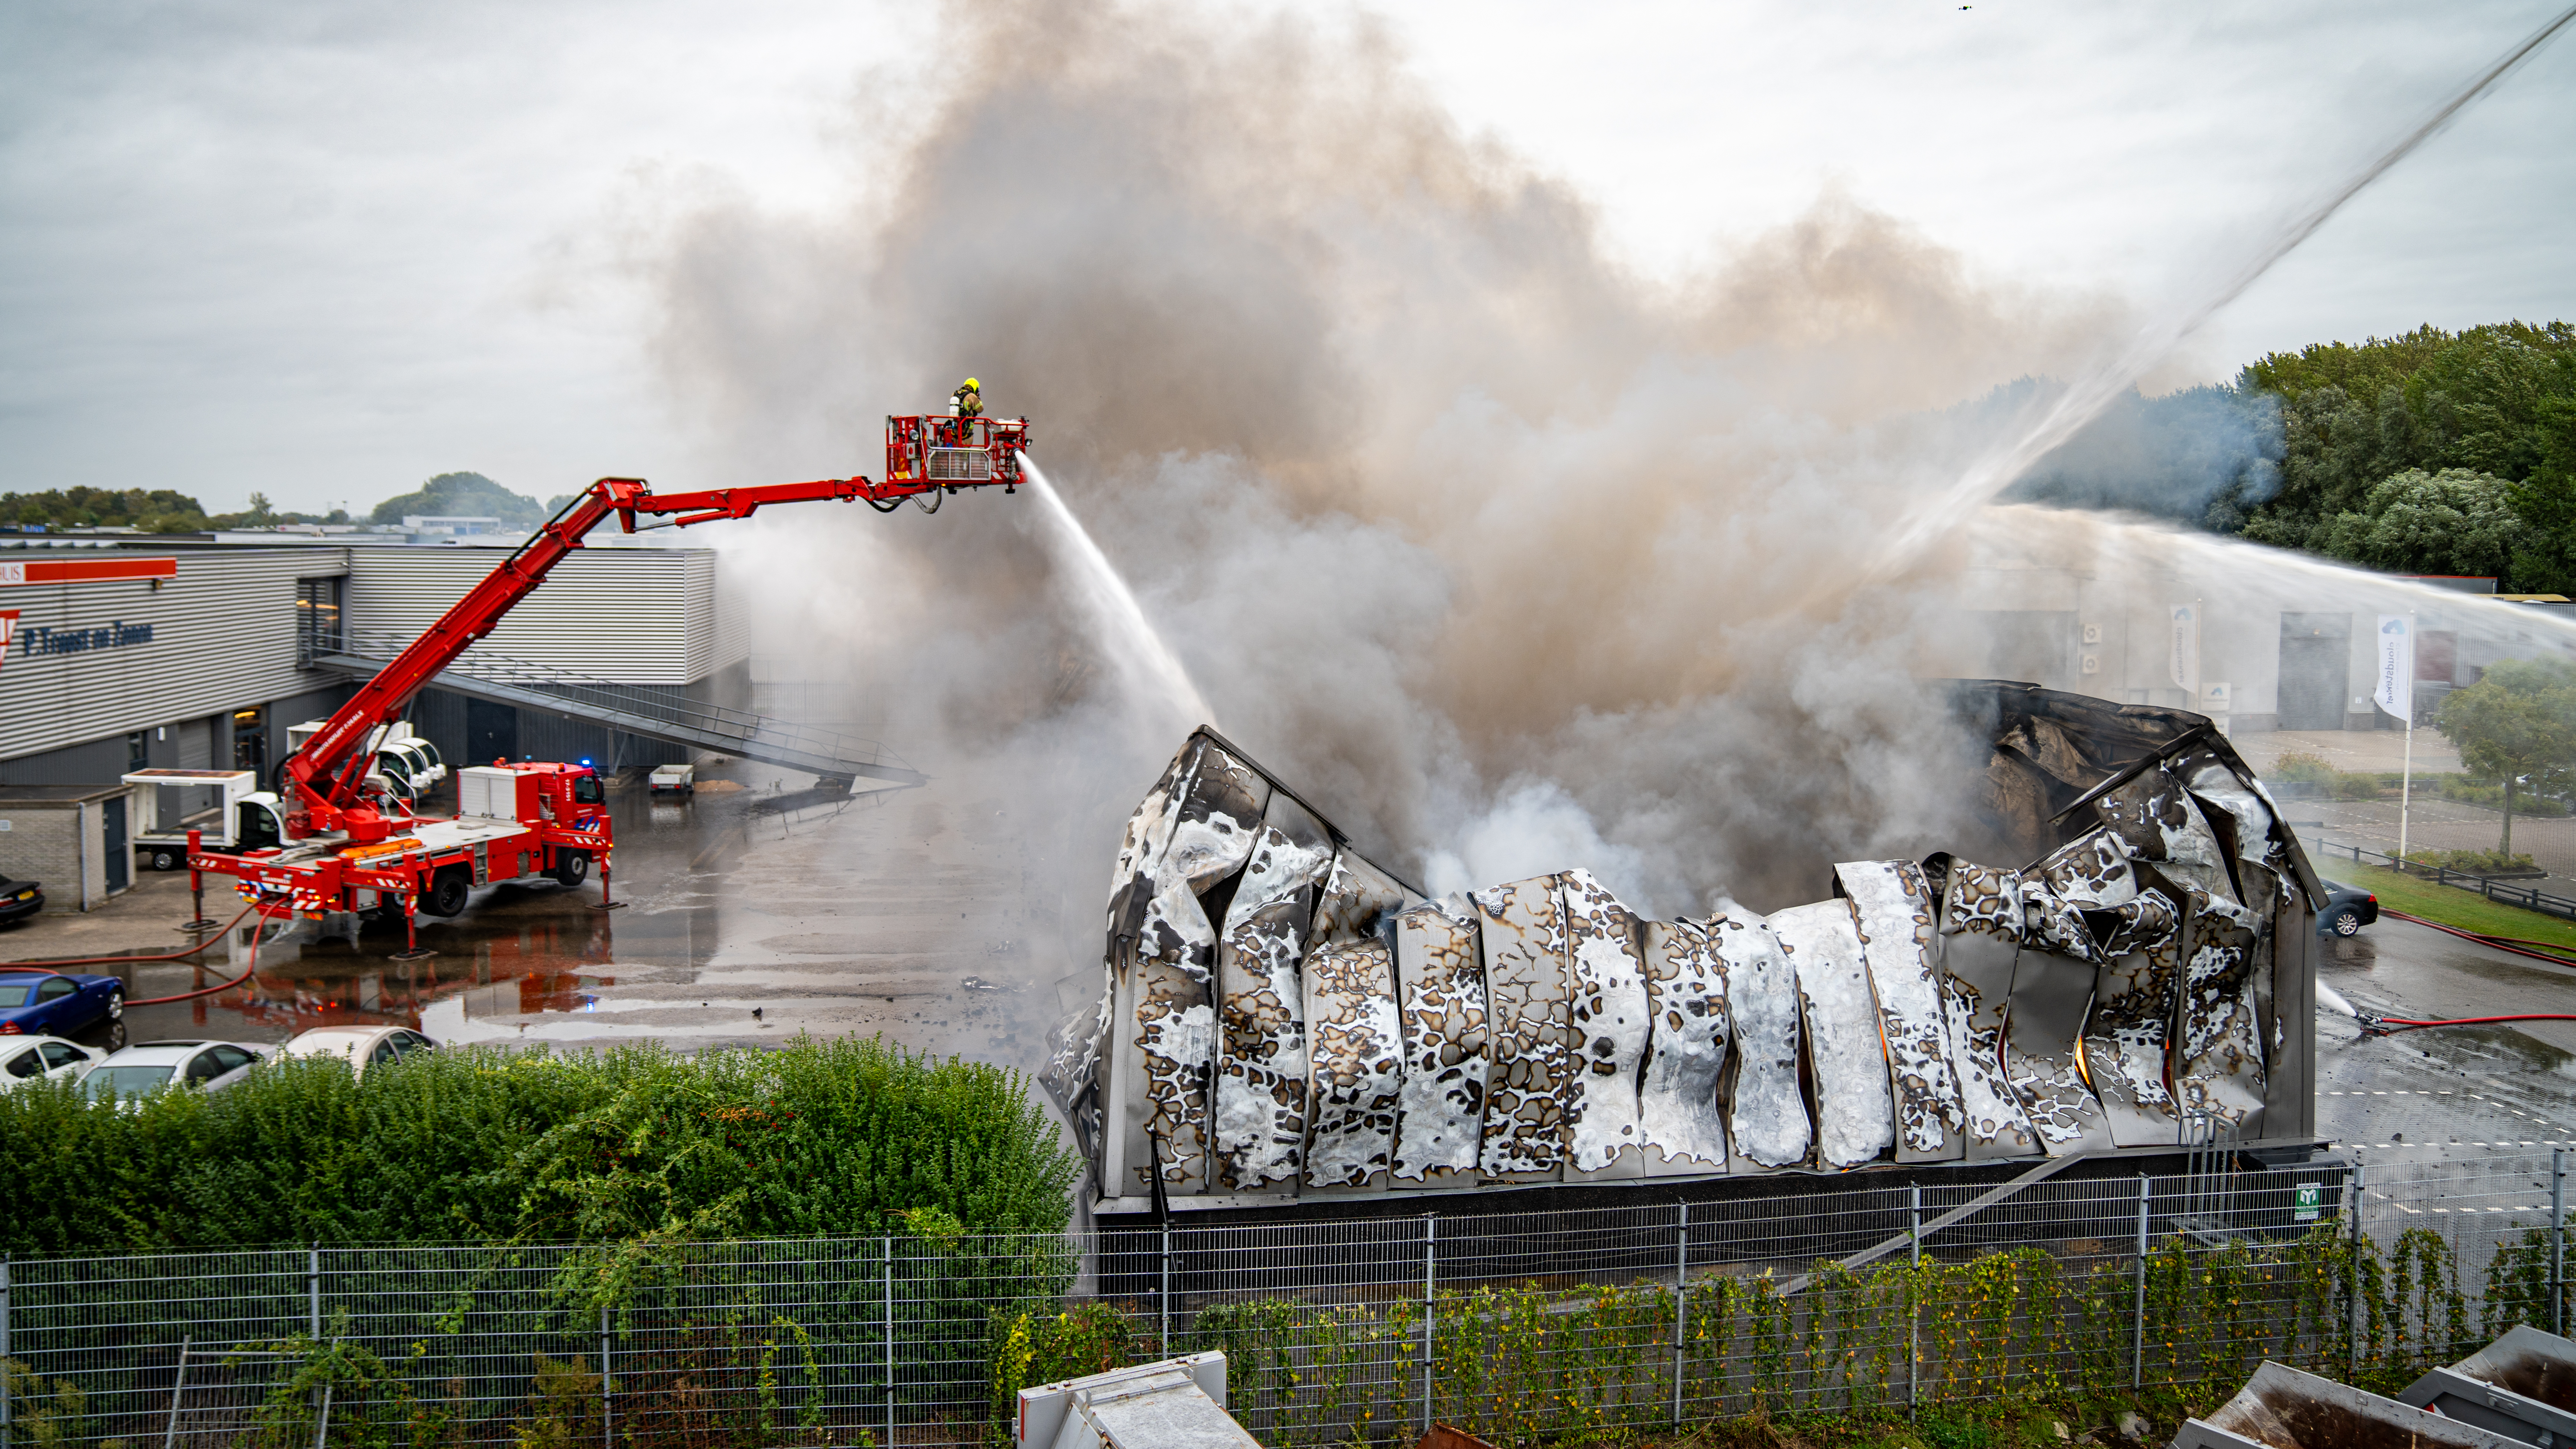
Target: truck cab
258, 823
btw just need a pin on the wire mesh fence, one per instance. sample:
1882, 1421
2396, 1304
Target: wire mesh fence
1519, 1327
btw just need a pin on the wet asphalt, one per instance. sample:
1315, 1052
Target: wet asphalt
745, 915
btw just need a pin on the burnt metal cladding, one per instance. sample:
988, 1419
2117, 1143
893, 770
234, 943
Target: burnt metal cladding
1280, 1018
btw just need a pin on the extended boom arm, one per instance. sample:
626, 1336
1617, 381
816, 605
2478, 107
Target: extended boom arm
326, 778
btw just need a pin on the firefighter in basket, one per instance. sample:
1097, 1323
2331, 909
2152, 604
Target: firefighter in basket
965, 405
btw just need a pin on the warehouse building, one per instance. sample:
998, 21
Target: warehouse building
127, 654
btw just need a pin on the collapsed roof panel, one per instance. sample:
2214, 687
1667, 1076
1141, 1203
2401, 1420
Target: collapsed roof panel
1282, 1017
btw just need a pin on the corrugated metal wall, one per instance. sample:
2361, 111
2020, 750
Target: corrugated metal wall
223, 638
634, 615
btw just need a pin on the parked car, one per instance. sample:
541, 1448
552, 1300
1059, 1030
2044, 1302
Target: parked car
361, 1046
20, 899
38, 1058
59, 1003
2347, 910
139, 1071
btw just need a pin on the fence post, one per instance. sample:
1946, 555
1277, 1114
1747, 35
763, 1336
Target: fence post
1681, 1308
607, 1407
1430, 1283
6, 1425
2557, 1259
2138, 1316
1163, 1294
1914, 1296
889, 1340
313, 1308
2352, 1357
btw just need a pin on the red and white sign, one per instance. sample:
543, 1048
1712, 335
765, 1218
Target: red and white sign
86, 570
8, 632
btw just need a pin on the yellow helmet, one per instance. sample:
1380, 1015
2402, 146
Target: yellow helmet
973, 386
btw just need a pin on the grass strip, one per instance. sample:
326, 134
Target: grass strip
2453, 906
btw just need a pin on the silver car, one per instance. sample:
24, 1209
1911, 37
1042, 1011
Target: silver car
138, 1071
42, 1058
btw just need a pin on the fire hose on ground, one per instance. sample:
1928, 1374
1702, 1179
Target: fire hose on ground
53, 967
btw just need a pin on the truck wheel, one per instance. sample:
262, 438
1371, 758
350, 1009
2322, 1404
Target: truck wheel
447, 893
165, 860
572, 868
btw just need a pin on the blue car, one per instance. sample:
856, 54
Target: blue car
43, 1003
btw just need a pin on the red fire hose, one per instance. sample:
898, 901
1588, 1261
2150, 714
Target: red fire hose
50, 968
2384, 1025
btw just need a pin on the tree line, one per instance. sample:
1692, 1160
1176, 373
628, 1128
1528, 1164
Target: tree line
2430, 452
164, 510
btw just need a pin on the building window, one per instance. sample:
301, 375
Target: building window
250, 739
317, 619
138, 754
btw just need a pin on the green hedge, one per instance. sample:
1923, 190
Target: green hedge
479, 1144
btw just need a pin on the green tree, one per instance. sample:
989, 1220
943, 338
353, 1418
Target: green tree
463, 494
2518, 724
2451, 522
2487, 400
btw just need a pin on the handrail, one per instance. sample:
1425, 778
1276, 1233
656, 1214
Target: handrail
743, 726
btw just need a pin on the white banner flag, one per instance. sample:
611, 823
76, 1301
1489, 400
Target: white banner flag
2186, 649
2396, 691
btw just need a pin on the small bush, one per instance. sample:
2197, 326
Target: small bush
2471, 792
2476, 862
1025, 1349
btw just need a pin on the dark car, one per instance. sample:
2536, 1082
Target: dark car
2347, 910
46, 1003
19, 899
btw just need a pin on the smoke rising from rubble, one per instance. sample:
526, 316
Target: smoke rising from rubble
1512, 560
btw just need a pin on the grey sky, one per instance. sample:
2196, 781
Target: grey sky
325, 251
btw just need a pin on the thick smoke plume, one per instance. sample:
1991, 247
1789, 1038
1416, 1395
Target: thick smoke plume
1513, 559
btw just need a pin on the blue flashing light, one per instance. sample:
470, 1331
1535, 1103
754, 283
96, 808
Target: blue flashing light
585, 764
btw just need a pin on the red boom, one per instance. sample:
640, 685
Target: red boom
328, 775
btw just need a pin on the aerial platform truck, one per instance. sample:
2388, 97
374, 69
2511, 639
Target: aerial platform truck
340, 836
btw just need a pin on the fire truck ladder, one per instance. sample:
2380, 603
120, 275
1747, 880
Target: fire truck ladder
836, 758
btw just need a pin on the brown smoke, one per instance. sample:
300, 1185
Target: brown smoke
1459, 524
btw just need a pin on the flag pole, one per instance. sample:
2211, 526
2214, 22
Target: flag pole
2406, 780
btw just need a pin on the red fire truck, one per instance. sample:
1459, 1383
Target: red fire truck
340, 838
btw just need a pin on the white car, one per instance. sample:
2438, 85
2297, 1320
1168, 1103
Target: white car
361, 1046
36, 1058
138, 1071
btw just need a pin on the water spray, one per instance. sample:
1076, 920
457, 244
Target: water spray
1149, 663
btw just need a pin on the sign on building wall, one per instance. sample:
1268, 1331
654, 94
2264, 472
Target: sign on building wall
8, 632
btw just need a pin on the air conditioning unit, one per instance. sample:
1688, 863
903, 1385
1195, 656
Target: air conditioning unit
1178, 1403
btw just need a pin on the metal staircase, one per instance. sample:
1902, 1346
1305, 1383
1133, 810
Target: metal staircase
836, 758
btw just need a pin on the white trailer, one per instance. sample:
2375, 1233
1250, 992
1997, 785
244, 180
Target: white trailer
164, 813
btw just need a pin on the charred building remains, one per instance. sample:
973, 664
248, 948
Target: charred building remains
1282, 1019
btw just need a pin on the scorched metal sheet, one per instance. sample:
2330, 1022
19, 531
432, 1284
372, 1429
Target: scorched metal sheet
1440, 1116
1766, 1120
1678, 1112
1607, 982
1980, 936
1894, 908
1855, 1110
1355, 1047
1529, 1024
1261, 1082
